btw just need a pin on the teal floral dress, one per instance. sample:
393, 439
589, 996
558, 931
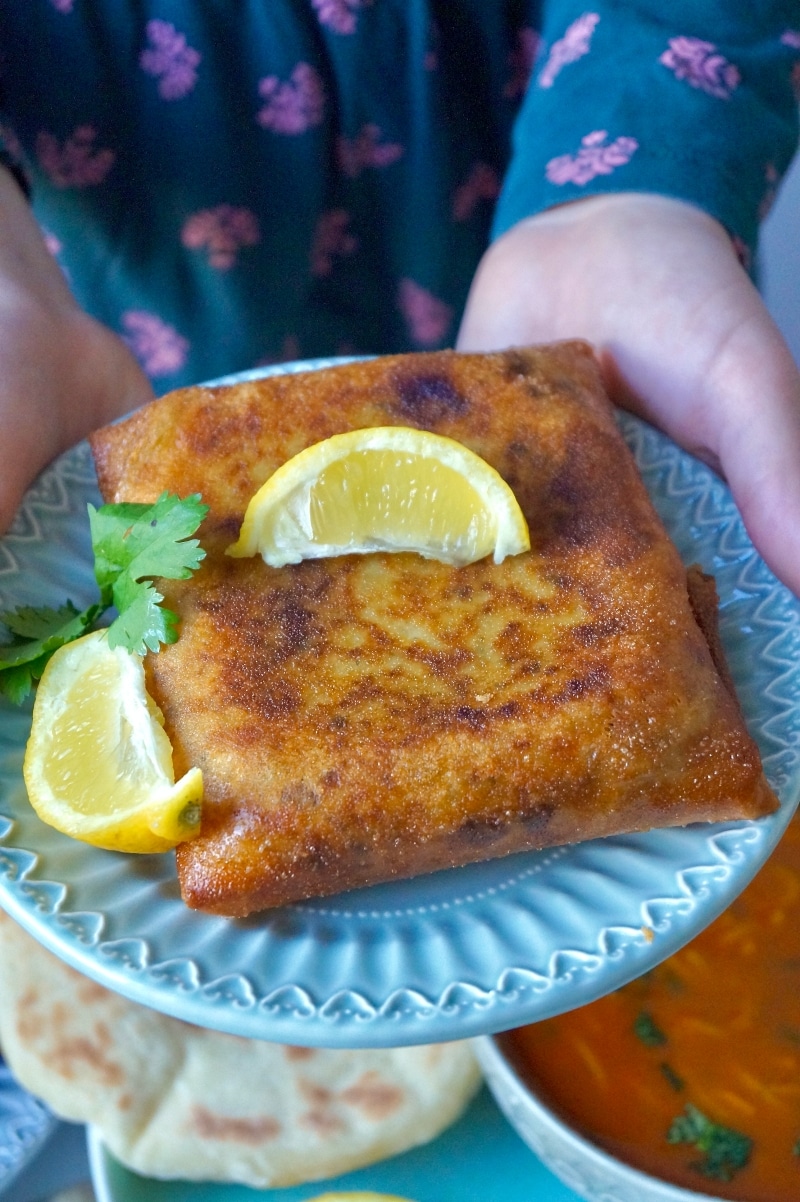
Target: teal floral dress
236, 182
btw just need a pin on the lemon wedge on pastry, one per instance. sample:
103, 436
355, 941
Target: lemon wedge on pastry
384, 488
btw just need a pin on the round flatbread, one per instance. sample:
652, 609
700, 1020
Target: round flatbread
172, 1100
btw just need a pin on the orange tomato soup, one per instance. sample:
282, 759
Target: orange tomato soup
692, 1072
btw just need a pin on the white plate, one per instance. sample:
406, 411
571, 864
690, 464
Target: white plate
465, 952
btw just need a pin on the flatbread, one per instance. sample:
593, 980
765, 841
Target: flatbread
365, 718
172, 1100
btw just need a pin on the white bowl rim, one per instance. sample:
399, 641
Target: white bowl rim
608, 1173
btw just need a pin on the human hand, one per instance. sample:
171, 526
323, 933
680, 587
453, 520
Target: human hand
61, 372
684, 340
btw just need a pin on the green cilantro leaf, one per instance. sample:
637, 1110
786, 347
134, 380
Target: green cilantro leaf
142, 623
646, 1029
143, 541
132, 544
40, 629
672, 1077
17, 680
725, 1151
39, 633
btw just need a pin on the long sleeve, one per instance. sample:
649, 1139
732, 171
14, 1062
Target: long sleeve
694, 99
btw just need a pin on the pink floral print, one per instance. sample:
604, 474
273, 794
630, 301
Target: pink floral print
53, 244
596, 157
222, 231
292, 107
366, 150
76, 164
331, 238
160, 349
701, 65
575, 43
482, 183
170, 59
791, 38
428, 318
521, 61
339, 15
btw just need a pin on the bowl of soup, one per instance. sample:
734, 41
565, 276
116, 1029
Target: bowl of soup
582, 1165
684, 1084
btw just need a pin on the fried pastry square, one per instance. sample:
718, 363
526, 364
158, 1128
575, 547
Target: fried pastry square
370, 717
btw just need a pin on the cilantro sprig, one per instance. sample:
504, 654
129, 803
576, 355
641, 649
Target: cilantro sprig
133, 545
647, 1030
725, 1151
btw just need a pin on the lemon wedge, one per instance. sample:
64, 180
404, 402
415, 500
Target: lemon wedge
357, 1196
98, 763
385, 488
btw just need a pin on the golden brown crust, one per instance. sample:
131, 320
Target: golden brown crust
704, 600
368, 717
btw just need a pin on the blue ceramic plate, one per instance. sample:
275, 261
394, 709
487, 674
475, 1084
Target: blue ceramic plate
480, 1157
25, 1125
465, 952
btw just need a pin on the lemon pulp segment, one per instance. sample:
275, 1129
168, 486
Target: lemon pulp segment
98, 763
385, 488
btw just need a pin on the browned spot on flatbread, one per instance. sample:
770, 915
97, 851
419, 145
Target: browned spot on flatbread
317, 1095
321, 1116
208, 1124
90, 992
60, 1015
69, 1055
373, 1096
28, 1026
295, 1053
322, 1120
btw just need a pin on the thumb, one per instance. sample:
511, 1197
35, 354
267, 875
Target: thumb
737, 409
760, 458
